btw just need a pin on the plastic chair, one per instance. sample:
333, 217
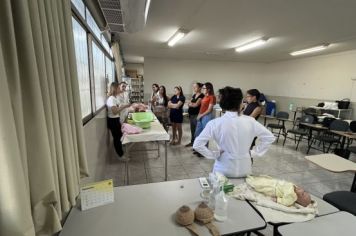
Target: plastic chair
343, 200
330, 138
281, 117
301, 130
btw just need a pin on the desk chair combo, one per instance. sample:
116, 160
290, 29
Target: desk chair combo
281, 117
343, 200
328, 137
301, 130
353, 129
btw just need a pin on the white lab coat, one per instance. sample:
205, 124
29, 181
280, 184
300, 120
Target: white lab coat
234, 135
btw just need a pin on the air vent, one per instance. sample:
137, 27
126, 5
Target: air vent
117, 28
110, 4
113, 16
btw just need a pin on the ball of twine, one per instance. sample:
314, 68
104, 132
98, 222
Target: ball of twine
185, 216
203, 213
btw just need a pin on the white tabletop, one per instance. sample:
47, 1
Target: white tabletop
155, 133
332, 162
150, 209
340, 223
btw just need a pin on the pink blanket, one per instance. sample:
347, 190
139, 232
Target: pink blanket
130, 129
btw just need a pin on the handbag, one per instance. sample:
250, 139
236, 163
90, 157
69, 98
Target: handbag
343, 104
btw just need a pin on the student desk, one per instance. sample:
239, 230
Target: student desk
265, 117
149, 209
155, 133
334, 163
340, 223
344, 135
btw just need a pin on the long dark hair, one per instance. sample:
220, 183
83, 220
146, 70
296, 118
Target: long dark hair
180, 90
155, 85
209, 88
254, 93
165, 98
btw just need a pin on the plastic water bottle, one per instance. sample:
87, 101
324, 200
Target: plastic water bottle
220, 213
273, 112
214, 190
291, 106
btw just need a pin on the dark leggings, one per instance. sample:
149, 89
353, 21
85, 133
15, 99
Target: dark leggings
193, 126
115, 127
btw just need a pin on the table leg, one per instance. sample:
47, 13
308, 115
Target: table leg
343, 142
165, 161
265, 121
353, 186
158, 149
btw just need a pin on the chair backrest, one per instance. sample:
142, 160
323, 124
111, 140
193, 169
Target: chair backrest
339, 125
282, 114
310, 111
307, 119
327, 121
353, 126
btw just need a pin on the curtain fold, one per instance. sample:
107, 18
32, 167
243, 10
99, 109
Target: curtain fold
42, 149
118, 61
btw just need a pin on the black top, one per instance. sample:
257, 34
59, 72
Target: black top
176, 114
195, 110
250, 108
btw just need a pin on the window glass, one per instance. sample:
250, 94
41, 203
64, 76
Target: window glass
81, 55
99, 76
79, 5
92, 24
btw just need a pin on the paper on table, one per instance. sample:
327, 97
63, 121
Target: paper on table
97, 194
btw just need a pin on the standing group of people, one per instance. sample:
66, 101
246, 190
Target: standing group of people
235, 132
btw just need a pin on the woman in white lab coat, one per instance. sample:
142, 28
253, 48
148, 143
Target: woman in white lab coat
234, 133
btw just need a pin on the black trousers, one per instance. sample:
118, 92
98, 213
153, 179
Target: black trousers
115, 127
193, 126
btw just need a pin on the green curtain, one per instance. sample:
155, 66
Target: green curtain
42, 151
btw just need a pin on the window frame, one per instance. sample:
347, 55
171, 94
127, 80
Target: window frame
92, 38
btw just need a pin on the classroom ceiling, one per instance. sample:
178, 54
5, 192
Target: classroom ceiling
216, 27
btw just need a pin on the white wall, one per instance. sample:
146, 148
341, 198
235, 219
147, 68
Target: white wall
135, 66
322, 77
170, 72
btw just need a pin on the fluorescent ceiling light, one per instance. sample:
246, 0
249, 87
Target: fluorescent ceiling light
176, 37
148, 3
310, 50
252, 44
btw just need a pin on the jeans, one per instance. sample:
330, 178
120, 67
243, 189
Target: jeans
202, 123
193, 126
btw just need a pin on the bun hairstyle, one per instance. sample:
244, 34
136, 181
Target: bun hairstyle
199, 84
230, 98
255, 93
180, 90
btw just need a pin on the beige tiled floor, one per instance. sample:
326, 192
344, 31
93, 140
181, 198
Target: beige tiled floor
282, 162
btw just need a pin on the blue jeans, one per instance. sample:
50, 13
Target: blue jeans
202, 123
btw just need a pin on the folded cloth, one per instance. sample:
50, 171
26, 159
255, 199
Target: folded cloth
272, 211
130, 129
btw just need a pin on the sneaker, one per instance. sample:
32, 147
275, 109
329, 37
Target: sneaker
198, 154
189, 145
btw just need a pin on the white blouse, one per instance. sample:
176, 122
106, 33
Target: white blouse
111, 102
234, 135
